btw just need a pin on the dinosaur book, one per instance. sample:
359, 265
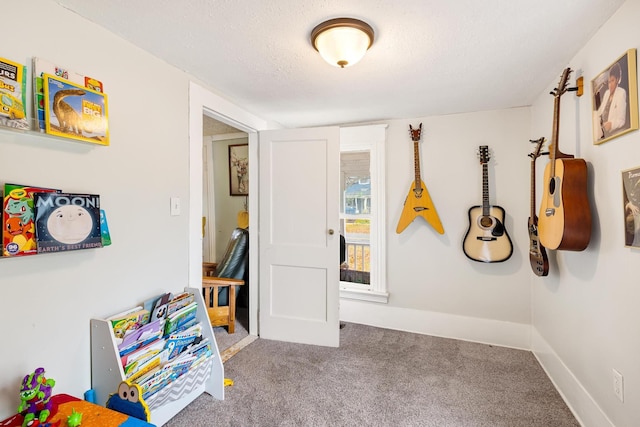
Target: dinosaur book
74, 111
42, 66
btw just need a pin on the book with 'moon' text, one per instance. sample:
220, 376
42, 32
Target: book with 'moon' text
67, 222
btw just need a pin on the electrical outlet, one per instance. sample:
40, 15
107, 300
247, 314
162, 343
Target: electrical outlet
618, 385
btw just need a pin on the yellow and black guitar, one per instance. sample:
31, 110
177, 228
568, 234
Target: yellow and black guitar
418, 201
486, 239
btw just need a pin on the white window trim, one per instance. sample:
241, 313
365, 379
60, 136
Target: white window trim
372, 138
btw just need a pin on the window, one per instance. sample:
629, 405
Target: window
362, 209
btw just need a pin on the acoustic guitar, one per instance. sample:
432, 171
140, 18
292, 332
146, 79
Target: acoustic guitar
418, 201
486, 239
564, 221
537, 253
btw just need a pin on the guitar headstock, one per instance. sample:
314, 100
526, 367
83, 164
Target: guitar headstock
483, 153
562, 84
415, 133
536, 152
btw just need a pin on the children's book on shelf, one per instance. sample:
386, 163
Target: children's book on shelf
158, 360
74, 111
132, 361
104, 229
178, 342
67, 222
18, 219
136, 338
160, 306
42, 66
13, 94
180, 319
129, 320
179, 301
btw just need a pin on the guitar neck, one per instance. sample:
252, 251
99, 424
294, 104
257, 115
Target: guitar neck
485, 191
416, 162
553, 152
532, 215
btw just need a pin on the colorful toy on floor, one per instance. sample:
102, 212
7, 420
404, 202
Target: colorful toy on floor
35, 396
128, 400
75, 419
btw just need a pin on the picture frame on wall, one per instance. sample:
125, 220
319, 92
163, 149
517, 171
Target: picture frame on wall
615, 99
631, 206
239, 170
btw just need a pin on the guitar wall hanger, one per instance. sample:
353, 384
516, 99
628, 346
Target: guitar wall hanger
537, 141
579, 88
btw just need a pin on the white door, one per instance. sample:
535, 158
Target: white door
299, 239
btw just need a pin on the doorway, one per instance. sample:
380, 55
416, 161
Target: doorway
222, 213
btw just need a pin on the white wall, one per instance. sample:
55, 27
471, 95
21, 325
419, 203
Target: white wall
434, 288
47, 300
585, 313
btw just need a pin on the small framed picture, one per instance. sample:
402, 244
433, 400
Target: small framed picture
615, 99
631, 206
239, 170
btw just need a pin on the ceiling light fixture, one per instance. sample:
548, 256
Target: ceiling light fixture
342, 41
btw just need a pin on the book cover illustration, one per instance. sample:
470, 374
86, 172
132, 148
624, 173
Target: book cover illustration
180, 319
104, 229
18, 219
74, 111
13, 88
67, 222
41, 66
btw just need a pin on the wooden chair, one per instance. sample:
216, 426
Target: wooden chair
221, 281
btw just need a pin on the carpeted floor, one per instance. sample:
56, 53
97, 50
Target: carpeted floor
224, 339
381, 377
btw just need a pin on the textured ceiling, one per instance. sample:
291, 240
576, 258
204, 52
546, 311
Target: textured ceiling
430, 57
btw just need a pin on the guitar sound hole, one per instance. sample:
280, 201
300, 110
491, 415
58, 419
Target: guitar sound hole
486, 221
552, 186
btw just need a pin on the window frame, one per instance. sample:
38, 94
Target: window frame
370, 138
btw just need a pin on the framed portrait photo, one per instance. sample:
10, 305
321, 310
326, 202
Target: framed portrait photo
239, 170
631, 206
615, 99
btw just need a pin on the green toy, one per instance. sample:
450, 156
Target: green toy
35, 392
75, 419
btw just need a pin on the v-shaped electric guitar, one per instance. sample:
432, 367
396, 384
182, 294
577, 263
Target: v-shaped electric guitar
418, 201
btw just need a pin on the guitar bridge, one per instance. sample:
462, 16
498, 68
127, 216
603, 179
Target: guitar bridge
420, 208
486, 239
549, 211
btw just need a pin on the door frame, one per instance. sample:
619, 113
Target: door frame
203, 102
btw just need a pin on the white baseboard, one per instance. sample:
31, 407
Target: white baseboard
579, 401
486, 331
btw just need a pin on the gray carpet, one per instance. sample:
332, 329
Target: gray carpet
380, 377
225, 339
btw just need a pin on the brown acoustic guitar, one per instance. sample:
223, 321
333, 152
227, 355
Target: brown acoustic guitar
564, 221
418, 201
537, 252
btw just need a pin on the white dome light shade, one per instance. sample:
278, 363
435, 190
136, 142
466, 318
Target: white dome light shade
342, 42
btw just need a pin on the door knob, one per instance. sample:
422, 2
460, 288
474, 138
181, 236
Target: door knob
331, 231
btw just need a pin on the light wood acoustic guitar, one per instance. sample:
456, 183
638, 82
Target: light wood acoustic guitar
486, 239
564, 221
418, 201
537, 253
